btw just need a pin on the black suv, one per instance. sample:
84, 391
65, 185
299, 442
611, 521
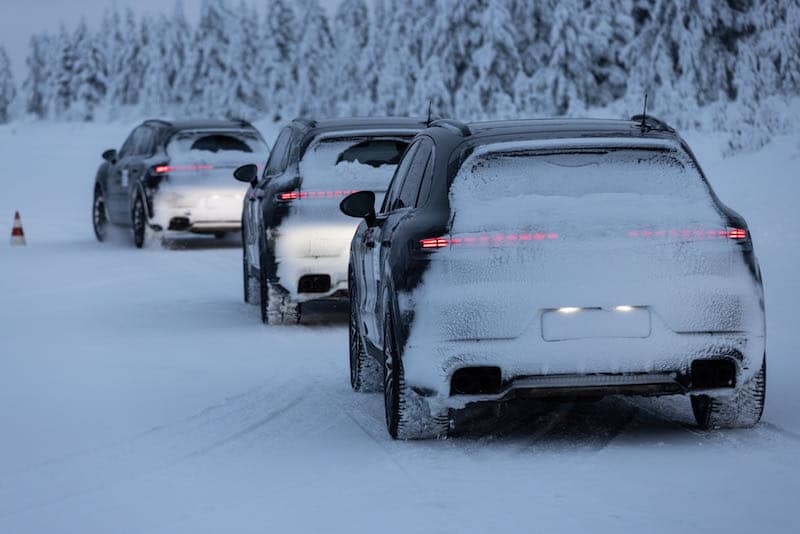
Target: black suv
553, 258
296, 242
174, 176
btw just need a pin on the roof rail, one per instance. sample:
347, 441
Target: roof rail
648, 122
310, 123
453, 125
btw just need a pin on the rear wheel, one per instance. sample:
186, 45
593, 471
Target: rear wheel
139, 222
99, 215
408, 415
246, 278
365, 372
276, 307
742, 409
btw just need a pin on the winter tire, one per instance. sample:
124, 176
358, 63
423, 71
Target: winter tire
365, 372
263, 291
742, 409
139, 219
247, 280
276, 307
408, 415
99, 215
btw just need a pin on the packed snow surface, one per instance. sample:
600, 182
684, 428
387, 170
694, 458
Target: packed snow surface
138, 393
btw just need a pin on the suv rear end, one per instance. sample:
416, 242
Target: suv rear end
587, 265
195, 193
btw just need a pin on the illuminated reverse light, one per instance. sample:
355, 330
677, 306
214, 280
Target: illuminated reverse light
568, 309
623, 308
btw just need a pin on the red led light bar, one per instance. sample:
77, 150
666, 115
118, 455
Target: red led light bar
301, 195
163, 169
433, 243
730, 233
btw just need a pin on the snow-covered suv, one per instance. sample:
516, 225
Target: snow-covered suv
295, 240
553, 258
175, 176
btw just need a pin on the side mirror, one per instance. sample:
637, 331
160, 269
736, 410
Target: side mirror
247, 174
360, 205
110, 155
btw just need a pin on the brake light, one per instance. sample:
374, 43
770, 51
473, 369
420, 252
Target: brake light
164, 169
433, 243
302, 195
685, 233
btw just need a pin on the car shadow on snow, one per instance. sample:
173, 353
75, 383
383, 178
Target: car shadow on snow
530, 425
201, 242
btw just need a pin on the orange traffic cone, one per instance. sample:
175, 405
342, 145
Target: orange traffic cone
17, 235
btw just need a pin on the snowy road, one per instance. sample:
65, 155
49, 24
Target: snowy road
138, 394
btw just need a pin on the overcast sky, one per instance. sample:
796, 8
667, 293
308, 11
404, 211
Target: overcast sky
19, 19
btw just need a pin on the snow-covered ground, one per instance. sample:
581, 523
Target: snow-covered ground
139, 394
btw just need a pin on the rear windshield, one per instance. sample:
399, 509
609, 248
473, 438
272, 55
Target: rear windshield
578, 189
351, 163
218, 148
581, 173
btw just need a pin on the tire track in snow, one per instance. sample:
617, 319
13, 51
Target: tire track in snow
119, 465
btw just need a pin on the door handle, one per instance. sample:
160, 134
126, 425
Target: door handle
370, 244
386, 243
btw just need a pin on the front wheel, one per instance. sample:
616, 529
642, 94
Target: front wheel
139, 219
742, 409
99, 215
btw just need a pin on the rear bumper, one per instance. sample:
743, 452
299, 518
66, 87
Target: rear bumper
206, 215
312, 260
660, 364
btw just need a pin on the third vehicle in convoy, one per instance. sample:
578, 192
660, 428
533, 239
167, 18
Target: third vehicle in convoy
553, 258
175, 177
295, 241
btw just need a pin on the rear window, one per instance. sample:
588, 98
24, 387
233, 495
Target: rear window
581, 173
578, 191
351, 163
218, 148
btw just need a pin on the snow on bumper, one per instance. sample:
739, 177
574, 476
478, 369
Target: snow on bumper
528, 360
200, 211
313, 249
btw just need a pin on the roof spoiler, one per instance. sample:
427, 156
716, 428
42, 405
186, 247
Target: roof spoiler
648, 122
453, 125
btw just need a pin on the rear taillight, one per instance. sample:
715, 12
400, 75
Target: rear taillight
476, 240
688, 233
289, 196
165, 169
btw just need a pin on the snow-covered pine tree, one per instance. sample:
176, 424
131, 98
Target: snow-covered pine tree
565, 82
127, 64
374, 55
8, 90
531, 22
485, 54
177, 41
243, 96
63, 73
35, 86
399, 67
351, 30
209, 60
611, 26
278, 67
156, 97
114, 38
89, 77
315, 53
